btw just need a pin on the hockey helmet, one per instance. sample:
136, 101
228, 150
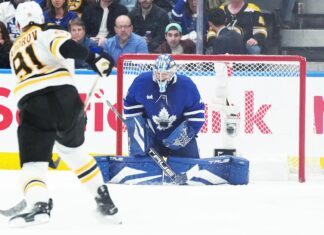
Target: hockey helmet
28, 12
163, 71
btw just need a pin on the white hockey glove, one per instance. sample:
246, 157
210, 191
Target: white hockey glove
100, 61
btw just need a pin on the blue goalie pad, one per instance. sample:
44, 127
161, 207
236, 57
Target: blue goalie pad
130, 170
239, 171
211, 171
205, 171
208, 171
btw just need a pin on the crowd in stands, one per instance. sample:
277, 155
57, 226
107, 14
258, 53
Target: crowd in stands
149, 26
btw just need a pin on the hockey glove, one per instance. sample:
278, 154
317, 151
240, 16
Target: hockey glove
100, 61
140, 136
180, 137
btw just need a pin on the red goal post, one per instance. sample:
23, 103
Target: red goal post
240, 69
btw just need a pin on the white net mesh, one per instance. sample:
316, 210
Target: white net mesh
256, 86
207, 68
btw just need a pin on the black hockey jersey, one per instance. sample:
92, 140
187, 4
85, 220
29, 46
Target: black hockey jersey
249, 22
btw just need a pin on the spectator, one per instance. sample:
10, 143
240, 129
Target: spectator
58, 13
7, 16
5, 46
174, 44
167, 5
77, 6
246, 18
77, 30
222, 40
99, 19
125, 41
150, 21
185, 13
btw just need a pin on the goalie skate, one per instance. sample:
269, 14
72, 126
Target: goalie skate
105, 206
39, 214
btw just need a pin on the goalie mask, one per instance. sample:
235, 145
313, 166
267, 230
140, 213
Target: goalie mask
28, 12
163, 71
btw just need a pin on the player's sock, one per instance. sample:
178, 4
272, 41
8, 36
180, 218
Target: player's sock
84, 166
34, 182
39, 214
88, 172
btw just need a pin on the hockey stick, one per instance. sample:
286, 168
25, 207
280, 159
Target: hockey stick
91, 92
15, 209
158, 159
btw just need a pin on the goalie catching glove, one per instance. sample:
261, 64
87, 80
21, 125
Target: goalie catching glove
101, 62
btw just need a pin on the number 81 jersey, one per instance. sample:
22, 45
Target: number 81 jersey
36, 61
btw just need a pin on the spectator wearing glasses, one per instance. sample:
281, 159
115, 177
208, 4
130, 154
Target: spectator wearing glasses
5, 46
99, 19
125, 41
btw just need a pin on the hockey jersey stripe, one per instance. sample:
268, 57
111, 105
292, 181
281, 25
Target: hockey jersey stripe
55, 45
196, 119
193, 112
42, 79
132, 115
133, 107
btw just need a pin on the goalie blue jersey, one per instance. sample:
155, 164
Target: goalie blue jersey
165, 111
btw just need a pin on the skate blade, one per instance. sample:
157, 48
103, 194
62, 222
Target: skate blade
109, 219
21, 223
112, 219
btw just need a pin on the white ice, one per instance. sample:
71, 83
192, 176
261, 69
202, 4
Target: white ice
260, 208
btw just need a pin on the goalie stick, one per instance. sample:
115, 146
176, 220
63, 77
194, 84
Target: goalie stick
158, 159
15, 209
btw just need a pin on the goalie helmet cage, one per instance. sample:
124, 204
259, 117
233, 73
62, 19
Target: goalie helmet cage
246, 66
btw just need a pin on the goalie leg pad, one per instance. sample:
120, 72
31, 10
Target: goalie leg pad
130, 170
219, 170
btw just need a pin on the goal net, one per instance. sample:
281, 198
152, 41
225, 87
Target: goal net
269, 92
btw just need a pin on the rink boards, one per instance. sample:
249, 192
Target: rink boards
268, 110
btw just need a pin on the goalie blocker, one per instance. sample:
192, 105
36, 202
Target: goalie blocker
205, 171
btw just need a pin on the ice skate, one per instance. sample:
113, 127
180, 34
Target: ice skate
106, 207
39, 214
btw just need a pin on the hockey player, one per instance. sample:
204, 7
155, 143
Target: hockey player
51, 110
163, 110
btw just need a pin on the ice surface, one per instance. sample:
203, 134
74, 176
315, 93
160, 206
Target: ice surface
260, 208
